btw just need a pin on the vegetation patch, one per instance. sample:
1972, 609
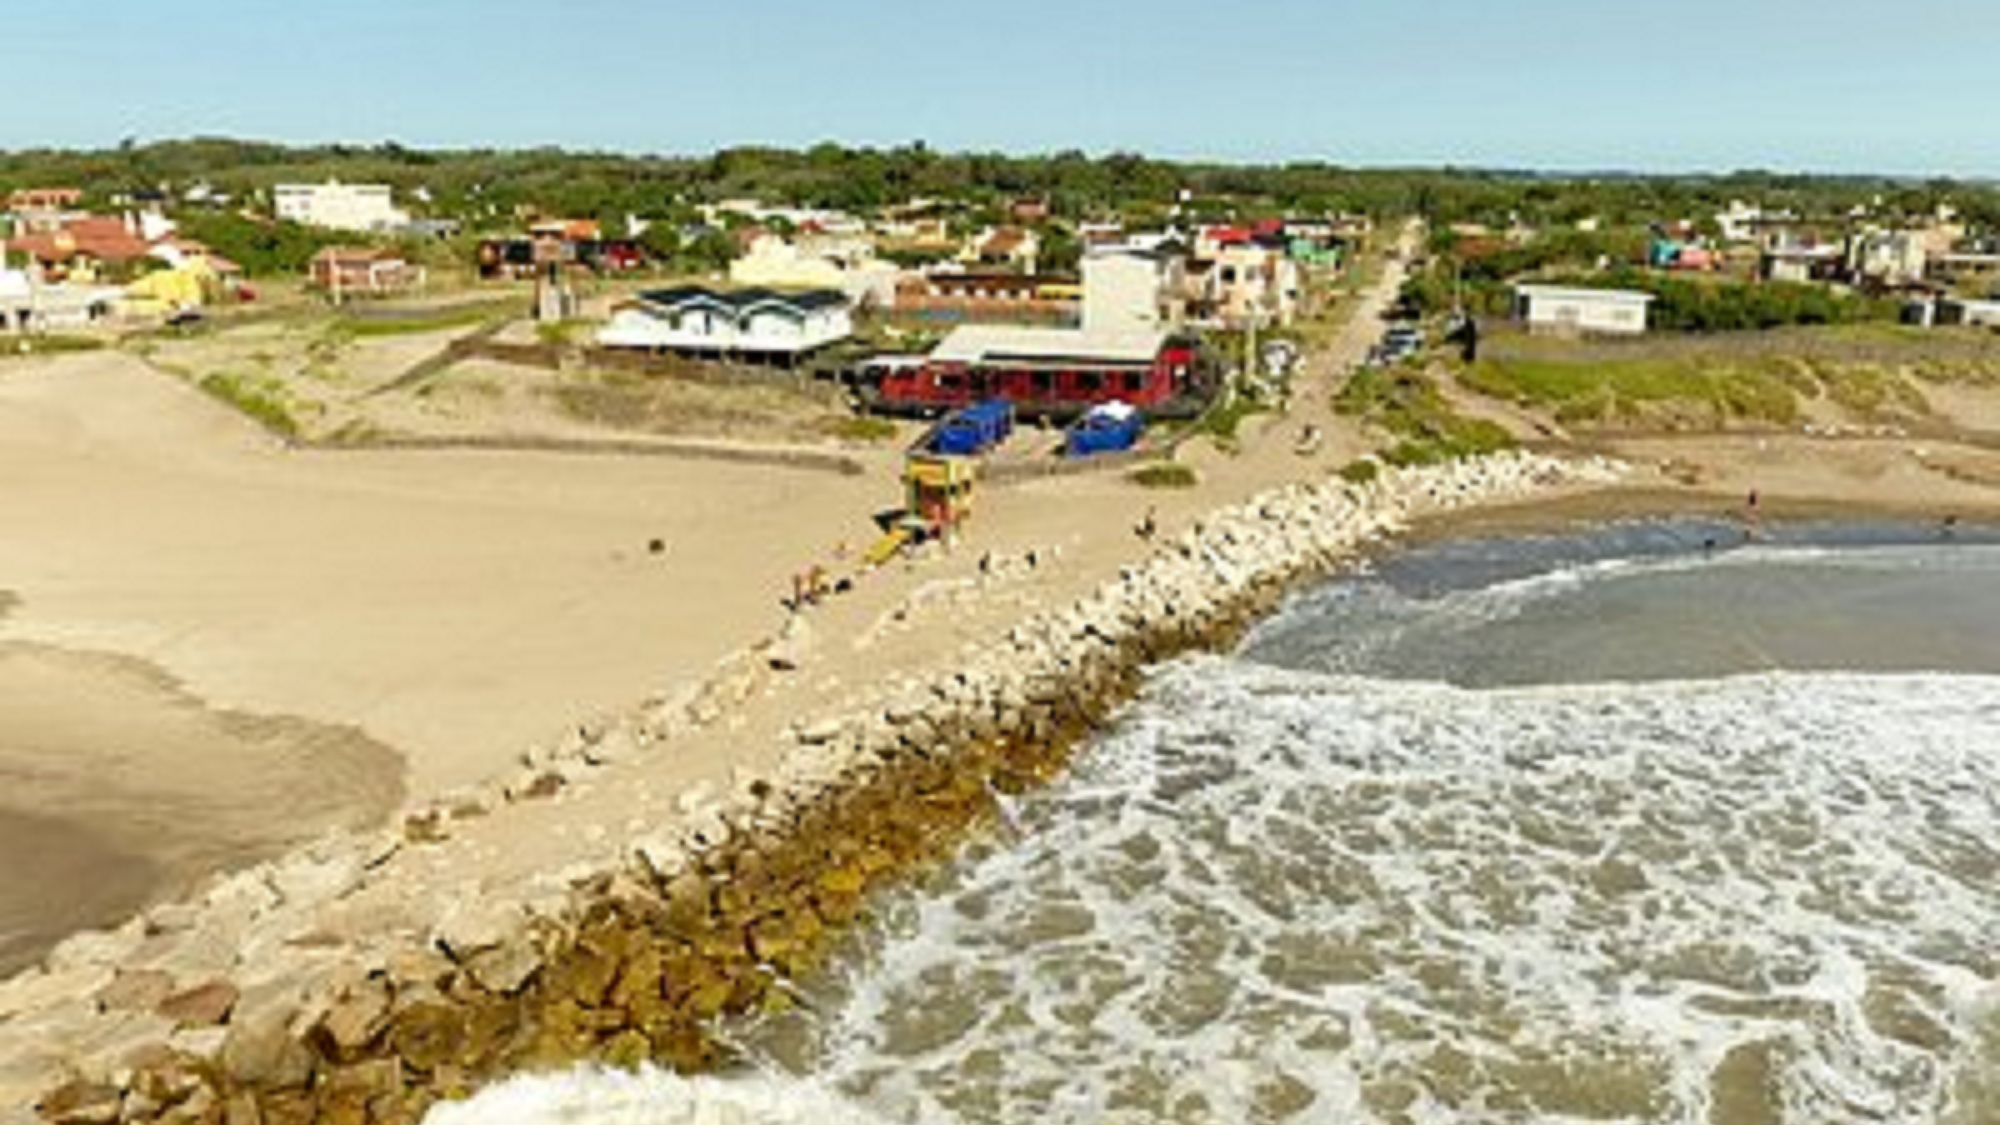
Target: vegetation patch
1363, 471
560, 333
260, 397
861, 428
1165, 474
441, 320
1643, 391
54, 344
1223, 420
1410, 406
1868, 391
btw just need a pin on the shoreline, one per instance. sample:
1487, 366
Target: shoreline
155, 790
557, 931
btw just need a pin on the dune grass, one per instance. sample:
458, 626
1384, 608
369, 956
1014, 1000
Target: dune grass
1409, 406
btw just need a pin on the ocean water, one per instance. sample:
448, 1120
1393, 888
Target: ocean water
1617, 828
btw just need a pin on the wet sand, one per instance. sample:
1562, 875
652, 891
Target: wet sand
61, 877
118, 788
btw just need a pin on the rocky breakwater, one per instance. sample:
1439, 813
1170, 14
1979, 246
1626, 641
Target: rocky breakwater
244, 1008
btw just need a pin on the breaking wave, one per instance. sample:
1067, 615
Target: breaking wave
1276, 896
649, 1097
1356, 874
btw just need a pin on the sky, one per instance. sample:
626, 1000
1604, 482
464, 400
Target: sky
1907, 87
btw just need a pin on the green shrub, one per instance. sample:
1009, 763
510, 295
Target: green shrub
1632, 390
1411, 408
1165, 474
366, 327
1363, 471
261, 398
56, 344
861, 428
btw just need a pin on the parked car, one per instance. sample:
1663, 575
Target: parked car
1405, 336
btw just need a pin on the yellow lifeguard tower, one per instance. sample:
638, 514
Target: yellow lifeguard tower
937, 499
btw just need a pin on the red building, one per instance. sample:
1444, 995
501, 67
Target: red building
91, 247
1047, 372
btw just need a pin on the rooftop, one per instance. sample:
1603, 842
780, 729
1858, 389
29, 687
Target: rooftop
1570, 293
993, 343
741, 300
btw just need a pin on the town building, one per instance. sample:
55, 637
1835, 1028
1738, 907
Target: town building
43, 199
1973, 269
758, 324
1045, 372
817, 261
27, 304
86, 249
1966, 312
1580, 312
1241, 284
1130, 287
337, 206
1887, 259
956, 297
1801, 261
346, 272
1012, 248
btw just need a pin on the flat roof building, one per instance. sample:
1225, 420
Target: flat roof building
1562, 310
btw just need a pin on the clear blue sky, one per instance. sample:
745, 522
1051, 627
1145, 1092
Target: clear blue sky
1905, 86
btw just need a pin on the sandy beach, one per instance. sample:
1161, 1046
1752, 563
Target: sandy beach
168, 529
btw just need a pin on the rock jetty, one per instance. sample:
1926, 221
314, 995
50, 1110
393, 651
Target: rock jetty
267, 1002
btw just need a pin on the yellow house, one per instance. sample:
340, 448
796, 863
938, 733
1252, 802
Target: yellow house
186, 286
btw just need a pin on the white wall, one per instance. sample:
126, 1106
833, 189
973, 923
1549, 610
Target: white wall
335, 206
1121, 292
1563, 313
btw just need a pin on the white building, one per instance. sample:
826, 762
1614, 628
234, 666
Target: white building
1888, 257
1975, 314
338, 206
842, 262
750, 322
1575, 312
28, 305
1128, 287
1246, 284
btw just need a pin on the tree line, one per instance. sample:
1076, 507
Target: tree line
491, 192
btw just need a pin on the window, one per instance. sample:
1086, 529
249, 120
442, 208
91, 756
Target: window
1135, 381
1090, 382
1044, 383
